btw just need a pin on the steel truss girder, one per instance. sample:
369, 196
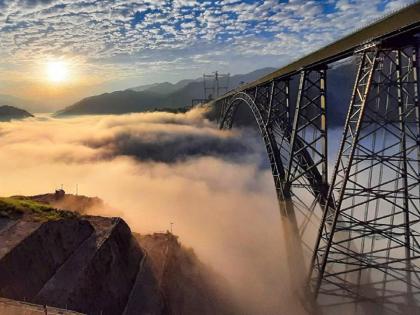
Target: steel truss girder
308, 158
370, 228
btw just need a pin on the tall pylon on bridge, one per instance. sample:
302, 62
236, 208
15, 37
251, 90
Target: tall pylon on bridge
215, 84
369, 238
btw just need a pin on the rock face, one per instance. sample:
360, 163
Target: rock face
100, 274
88, 265
8, 113
25, 267
187, 285
95, 265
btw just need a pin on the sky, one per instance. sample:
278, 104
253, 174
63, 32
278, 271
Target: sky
107, 45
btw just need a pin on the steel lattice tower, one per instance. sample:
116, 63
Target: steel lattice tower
368, 246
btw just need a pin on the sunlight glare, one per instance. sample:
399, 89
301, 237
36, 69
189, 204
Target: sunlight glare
57, 71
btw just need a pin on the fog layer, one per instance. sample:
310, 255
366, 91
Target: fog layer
154, 169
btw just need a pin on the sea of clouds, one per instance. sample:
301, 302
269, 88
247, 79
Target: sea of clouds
156, 168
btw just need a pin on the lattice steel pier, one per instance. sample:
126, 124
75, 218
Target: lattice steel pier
368, 244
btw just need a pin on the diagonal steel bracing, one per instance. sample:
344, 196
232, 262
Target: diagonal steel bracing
368, 242
307, 164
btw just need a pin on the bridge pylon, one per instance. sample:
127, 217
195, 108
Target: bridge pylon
368, 249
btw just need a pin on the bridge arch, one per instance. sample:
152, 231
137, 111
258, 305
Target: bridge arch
303, 159
272, 149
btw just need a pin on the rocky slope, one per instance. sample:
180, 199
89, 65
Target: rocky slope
13, 307
188, 286
96, 265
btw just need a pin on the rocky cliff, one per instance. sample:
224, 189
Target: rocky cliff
187, 285
96, 265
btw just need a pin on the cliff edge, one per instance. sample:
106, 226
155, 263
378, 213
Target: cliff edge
96, 265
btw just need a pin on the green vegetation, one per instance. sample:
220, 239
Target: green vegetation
18, 207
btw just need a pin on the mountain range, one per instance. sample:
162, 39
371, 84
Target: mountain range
163, 88
153, 96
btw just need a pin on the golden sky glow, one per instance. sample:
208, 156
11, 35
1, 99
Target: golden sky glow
57, 71
53, 82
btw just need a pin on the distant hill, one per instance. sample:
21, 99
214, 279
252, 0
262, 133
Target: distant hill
162, 88
25, 104
118, 102
8, 113
145, 98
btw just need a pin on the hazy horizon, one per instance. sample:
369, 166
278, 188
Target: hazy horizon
27, 104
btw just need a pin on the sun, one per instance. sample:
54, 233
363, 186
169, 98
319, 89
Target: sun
57, 71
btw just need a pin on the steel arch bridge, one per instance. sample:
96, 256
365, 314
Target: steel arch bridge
360, 220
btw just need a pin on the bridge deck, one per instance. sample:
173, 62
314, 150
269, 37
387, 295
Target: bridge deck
403, 21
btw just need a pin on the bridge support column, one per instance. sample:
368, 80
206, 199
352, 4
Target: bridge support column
367, 244
279, 121
308, 161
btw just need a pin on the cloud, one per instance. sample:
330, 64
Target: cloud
223, 206
131, 38
168, 148
155, 137
168, 139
